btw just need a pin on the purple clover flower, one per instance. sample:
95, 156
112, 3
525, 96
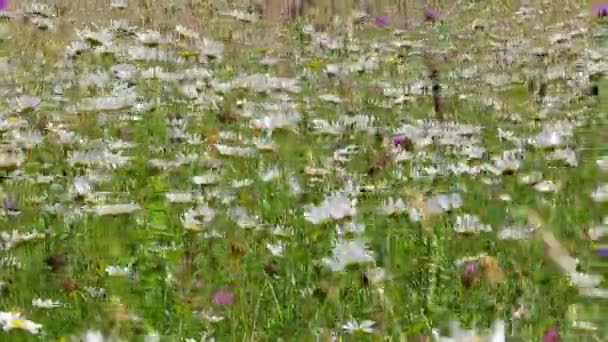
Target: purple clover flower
9, 203
469, 274
600, 10
551, 334
223, 297
430, 14
382, 20
398, 140
3, 4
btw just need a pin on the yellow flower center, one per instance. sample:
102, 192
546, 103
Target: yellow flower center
18, 323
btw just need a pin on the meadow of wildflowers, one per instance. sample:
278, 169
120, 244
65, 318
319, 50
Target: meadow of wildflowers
201, 170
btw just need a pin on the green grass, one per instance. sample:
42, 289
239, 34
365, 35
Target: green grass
290, 297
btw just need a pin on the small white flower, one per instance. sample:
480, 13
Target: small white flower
443, 202
116, 209
376, 275
42, 23
13, 320
80, 187
457, 334
277, 121
265, 144
350, 227
602, 163
45, 303
26, 139
16, 237
505, 197
473, 152
26, 103
124, 72
244, 152
294, 186
517, 232
414, 214
210, 317
601, 193
520, 312
316, 171
353, 326
106, 103
546, 186
186, 32
150, 38
585, 280
280, 231
392, 207
470, 224
553, 135
242, 16
597, 232
11, 160
11, 123
152, 337
93, 336
179, 197
270, 174
241, 183
194, 218
347, 253
207, 179
76, 48
243, 218
594, 292
118, 271
530, 178
323, 127
403, 155
68, 137
567, 156
95, 292
96, 37
276, 249
11, 262
335, 207
119, 4
508, 163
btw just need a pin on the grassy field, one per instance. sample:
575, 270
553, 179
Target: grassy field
262, 181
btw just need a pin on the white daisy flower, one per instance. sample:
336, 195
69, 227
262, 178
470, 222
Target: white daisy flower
347, 253
393, 207
179, 197
352, 326
585, 280
546, 186
206, 179
149, 37
115, 209
118, 271
276, 249
45, 303
335, 207
470, 224
93, 336
601, 193
13, 320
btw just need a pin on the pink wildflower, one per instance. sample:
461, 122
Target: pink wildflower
223, 297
